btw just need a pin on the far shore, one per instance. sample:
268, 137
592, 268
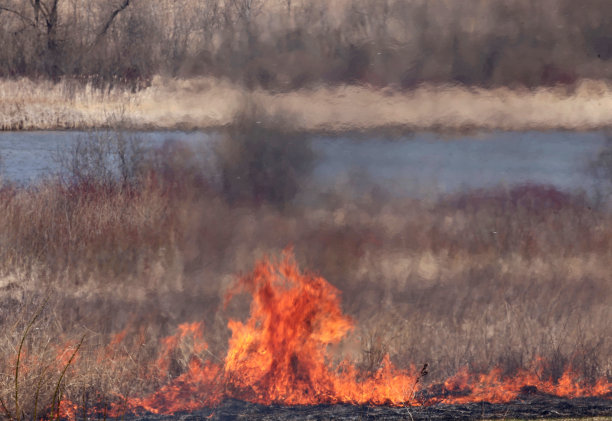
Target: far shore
207, 104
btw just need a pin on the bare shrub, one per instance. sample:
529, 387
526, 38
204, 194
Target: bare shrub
601, 168
38, 370
183, 169
261, 159
2, 179
104, 158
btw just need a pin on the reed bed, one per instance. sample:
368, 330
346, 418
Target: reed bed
208, 103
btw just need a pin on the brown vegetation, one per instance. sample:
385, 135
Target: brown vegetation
339, 66
483, 279
208, 103
114, 253
290, 44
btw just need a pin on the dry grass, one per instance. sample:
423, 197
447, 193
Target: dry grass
210, 103
483, 279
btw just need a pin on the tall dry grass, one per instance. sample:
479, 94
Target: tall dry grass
208, 103
481, 279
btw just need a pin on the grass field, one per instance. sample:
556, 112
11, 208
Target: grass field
202, 103
120, 276
514, 279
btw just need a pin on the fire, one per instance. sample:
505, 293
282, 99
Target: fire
492, 387
283, 354
280, 353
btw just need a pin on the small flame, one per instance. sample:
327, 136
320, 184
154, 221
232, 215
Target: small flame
282, 355
493, 387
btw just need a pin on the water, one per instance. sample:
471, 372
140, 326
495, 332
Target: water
29, 156
423, 164
432, 164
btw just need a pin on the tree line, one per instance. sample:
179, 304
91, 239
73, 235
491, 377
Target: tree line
290, 44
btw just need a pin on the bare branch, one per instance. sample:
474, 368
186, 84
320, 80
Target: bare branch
36, 7
107, 25
112, 17
44, 8
51, 16
20, 15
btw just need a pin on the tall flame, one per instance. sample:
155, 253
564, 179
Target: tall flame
282, 354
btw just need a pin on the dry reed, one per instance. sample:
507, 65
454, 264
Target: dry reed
207, 103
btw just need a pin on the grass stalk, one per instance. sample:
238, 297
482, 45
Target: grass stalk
6, 410
57, 393
422, 374
23, 338
38, 387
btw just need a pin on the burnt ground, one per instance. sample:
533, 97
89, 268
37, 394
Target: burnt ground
540, 406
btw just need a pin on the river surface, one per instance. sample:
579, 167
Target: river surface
414, 166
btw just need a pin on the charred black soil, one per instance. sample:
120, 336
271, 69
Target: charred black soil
532, 406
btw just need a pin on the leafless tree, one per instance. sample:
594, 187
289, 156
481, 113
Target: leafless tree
45, 18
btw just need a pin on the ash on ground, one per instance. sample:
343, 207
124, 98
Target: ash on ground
528, 406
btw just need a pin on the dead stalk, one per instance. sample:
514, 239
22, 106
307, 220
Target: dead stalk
422, 374
5, 409
23, 337
57, 393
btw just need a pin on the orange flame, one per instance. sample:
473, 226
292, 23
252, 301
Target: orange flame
282, 355
492, 387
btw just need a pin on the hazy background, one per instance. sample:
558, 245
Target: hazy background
289, 44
